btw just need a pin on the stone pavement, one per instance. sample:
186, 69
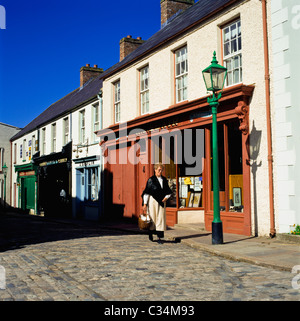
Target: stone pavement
280, 253
67, 260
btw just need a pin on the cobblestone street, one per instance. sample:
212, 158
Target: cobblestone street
101, 264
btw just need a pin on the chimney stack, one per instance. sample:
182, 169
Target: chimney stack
128, 45
169, 8
87, 72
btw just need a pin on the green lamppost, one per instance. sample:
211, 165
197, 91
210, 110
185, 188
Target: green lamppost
214, 77
4, 169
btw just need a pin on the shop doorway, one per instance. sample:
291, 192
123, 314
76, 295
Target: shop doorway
28, 193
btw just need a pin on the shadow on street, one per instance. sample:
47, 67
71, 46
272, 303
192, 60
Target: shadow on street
18, 230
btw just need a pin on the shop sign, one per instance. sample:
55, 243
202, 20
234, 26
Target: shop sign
90, 163
58, 161
29, 173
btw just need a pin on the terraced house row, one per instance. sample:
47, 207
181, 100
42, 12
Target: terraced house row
90, 154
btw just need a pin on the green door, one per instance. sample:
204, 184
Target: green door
28, 193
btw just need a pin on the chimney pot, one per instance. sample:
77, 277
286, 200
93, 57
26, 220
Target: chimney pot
169, 8
128, 45
87, 72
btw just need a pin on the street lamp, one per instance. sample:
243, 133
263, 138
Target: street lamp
214, 77
4, 169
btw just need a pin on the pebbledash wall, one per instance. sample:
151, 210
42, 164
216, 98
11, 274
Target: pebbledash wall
201, 42
285, 23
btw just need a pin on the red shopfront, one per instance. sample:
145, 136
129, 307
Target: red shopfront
176, 136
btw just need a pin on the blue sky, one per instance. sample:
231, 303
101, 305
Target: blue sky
46, 42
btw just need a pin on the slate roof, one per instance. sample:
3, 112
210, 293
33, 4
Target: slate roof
64, 105
187, 19
200, 11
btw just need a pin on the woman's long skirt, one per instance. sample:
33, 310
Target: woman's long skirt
158, 216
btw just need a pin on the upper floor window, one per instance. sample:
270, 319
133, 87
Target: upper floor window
53, 138
117, 102
144, 90
33, 144
96, 120
65, 130
15, 153
24, 149
82, 126
232, 51
181, 74
1, 159
43, 141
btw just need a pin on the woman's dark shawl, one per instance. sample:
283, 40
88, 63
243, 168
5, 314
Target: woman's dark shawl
154, 189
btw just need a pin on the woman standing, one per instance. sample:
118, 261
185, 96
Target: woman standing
155, 196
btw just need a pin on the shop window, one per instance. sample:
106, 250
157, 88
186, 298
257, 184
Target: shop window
92, 189
190, 171
235, 168
230, 168
163, 151
182, 152
88, 184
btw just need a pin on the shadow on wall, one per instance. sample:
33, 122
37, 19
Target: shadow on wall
253, 147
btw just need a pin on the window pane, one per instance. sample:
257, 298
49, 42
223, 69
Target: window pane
233, 31
226, 49
239, 43
236, 76
236, 62
229, 78
178, 70
239, 28
233, 46
226, 34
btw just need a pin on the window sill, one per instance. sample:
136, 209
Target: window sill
179, 104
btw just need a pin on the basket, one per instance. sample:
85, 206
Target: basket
144, 222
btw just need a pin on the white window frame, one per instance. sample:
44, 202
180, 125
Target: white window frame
82, 126
92, 184
232, 52
53, 138
144, 90
33, 144
117, 101
24, 149
15, 153
96, 120
66, 130
181, 74
1, 158
44, 141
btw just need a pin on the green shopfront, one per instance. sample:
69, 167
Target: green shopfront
27, 187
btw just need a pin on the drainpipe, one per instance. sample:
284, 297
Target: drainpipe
100, 95
268, 113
